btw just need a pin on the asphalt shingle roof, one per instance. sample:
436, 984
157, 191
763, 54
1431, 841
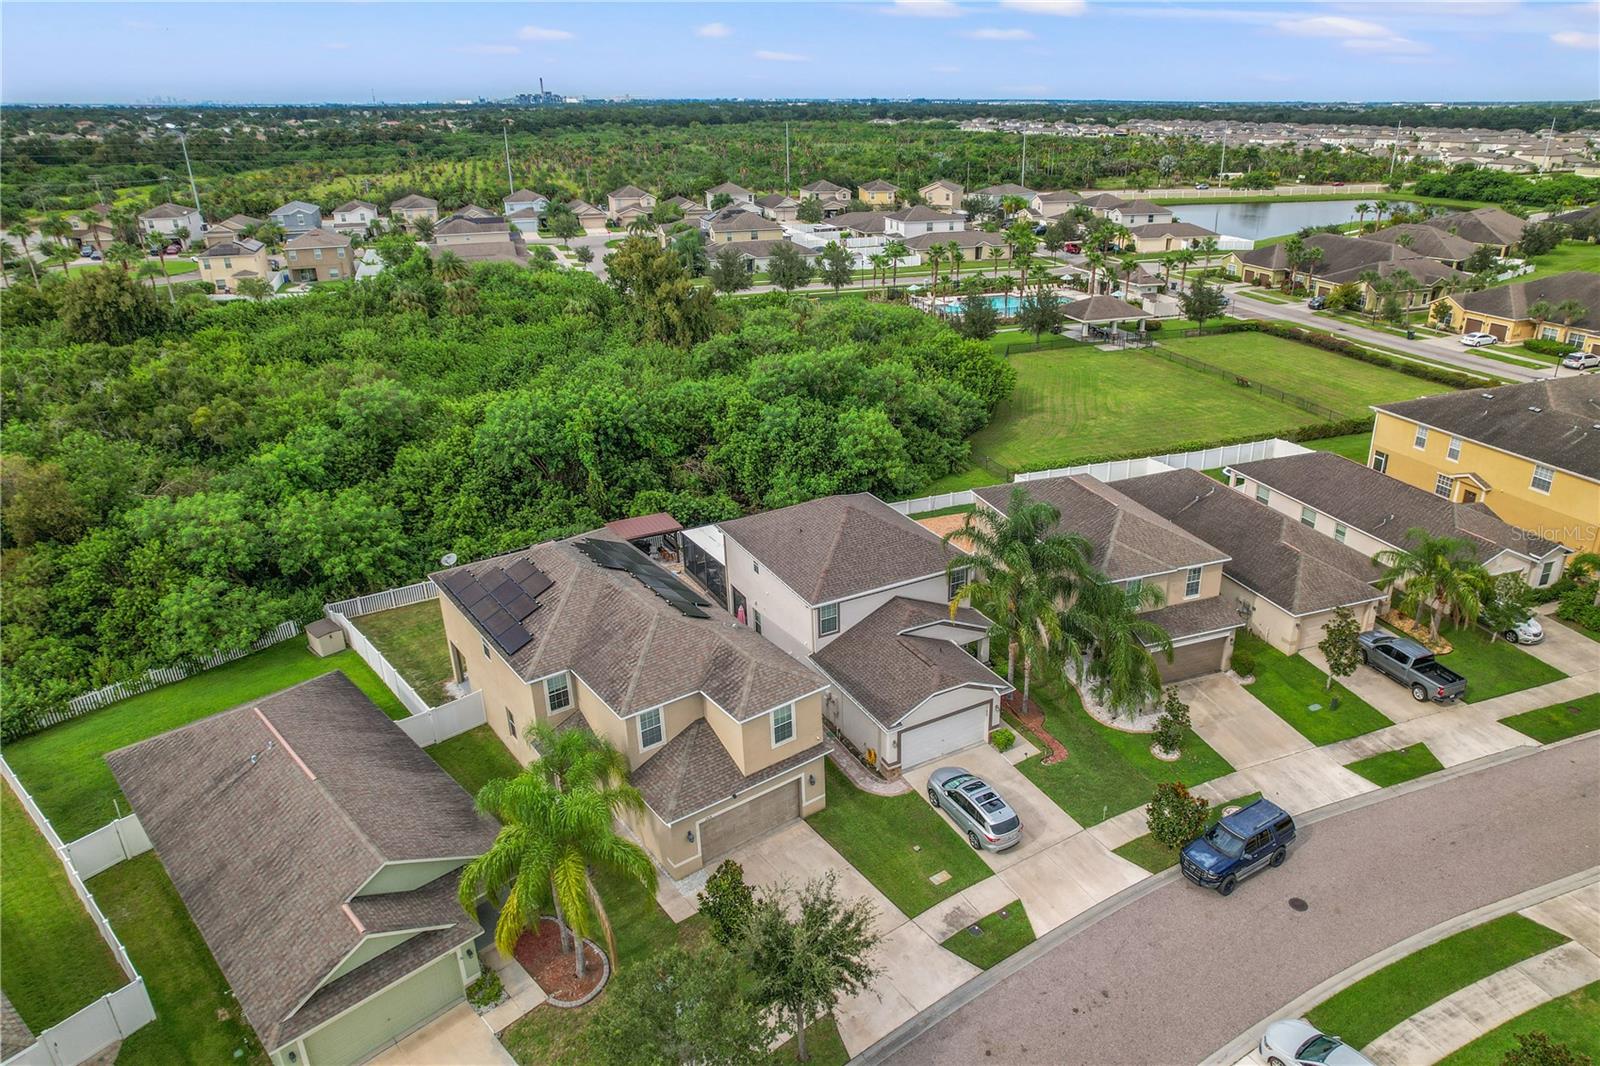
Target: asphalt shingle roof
693, 770
1513, 300
1485, 225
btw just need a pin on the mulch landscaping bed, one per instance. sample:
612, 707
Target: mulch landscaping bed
1033, 719
539, 952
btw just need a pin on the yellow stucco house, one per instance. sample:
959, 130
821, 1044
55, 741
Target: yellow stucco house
878, 193
1530, 452
1508, 311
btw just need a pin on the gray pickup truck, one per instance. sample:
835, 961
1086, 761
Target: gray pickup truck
1413, 666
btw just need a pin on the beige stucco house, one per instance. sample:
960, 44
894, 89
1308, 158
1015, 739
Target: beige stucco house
230, 228
827, 192
942, 194
628, 203
409, 209
590, 217
738, 224
170, 219
320, 255
737, 194
355, 216
226, 264
879, 193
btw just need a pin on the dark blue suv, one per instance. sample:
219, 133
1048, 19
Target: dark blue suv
1238, 846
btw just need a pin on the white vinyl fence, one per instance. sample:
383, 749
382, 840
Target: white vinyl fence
363, 647
112, 1017
387, 600
442, 723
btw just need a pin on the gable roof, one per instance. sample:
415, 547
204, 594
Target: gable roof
1339, 253
1485, 225
738, 220
1430, 241
237, 222
1127, 540
889, 669
777, 199
460, 223
168, 211
1512, 301
823, 185
319, 238
966, 239
634, 649
840, 546
942, 183
1270, 553
1060, 196
860, 221
693, 770
1555, 421
1103, 200
522, 196
269, 817
759, 249
1171, 229
628, 192
1007, 188
354, 205
1385, 507
922, 213
730, 188
297, 205
413, 202
236, 246
879, 185
1140, 207
583, 207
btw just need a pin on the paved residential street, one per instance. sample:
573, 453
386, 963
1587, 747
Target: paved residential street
1178, 973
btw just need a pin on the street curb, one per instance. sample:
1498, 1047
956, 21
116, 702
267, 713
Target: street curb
1245, 1042
957, 998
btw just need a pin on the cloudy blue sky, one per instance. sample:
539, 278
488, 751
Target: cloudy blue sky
347, 52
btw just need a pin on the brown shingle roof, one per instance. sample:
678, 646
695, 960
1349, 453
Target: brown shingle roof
889, 671
1102, 309
1430, 241
1385, 507
634, 649
1126, 538
840, 546
167, 211
355, 205
414, 202
1513, 300
1485, 225
269, 817
1171, 229
1213, 614
1272, 555
693, 770
879, 185
319, 238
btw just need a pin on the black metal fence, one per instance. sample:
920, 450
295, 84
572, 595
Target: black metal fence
1270, 391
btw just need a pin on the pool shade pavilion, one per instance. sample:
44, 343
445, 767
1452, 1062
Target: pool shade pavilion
1103, 311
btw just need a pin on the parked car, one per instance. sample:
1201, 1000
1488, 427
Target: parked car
1296, 1042
1201, 185
979, 811
1528, 631
1478, 340
1317, 303
1411, 665
1239, 845
1338, 185
1073, 248
1581, 361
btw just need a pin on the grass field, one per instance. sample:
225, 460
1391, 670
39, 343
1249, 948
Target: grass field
56, 962
1346, 385
1559, 721
412, 639
1568, 255
64, 767
1392, 767
1353, 446
1572, 1019
1000, 935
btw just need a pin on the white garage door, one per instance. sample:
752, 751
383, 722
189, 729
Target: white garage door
951, 733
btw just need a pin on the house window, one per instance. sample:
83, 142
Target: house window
511, 723
1339, 531
1453, 453
1546, 571
1421, 439
755, 566
333, 272
1191, 582
755, 618
558, 692
650, 730
828, 619
958, 577
783, 725
1380, 462
316, 253
1442, 486
1550, 333
1308, 517
485, 644
227, 264
1543, 478
1263, 494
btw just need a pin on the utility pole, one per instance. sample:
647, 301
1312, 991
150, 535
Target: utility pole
1222, 170
506, 132
1023, 180
787, 187
1394, 149
184, 143
1545, 163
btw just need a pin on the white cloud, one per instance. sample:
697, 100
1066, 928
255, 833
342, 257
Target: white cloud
714, 29
990, 33
1576, 39
543, 33
1047, 7
926, 9
1331, 26
1387, 45
487, 49
782, 57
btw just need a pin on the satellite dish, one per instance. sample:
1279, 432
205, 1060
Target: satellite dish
448, 559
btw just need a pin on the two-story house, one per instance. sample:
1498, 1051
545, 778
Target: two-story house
1358, 506
1139, 213
229, 229
355, 216
171, 219
735, 224
827, 192
915, 221
413, 208
1131, 543
525, 200
736, 194
320, 255
1530, 452
863, 593
1007, 190
721, 729
879, 193
1052, 205
628, 203
317, 849
942, 194
228, 263
297, 218
475, 234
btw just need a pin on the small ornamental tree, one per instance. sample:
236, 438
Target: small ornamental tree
727, 902
1537, 1049
584, 254
1506, 605
1040, 313
1201, 303
787, 268
810, 210
1173, 723
979, 320
835, 264
679, 1006
728, 273
1175, 817
1341, 645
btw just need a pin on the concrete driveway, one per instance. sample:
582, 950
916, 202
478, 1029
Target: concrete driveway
458, 1037
1238, 726
1044, 824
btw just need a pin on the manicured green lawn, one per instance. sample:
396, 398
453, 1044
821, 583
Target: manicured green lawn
412, 639
961, 508
1558, 721
1106, 770
1378, 1002
1257, 294
548, 1035
64, 766
1154, 856
1353, 446
1000, 936
1494, 668
972, 477
824, 1045
881, 835
1572, 1019
56, 961
475, 758
1289, 685
1392, 767
1072, 404
1568, 255
197, 1019
1346, 385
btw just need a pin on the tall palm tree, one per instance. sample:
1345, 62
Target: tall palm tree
1540, 311
22, 230
1097, 262
450, 267
1208, 247
1108, 640
1361, 212
935, 256
1129, 264
1186, 258
880, 265
896, 251
1293, 249
1310, 259
1379, 207
956, 256
1168, 261
158, 245
552, 839
1441, 574
56, 228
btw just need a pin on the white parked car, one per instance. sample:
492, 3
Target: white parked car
1478, 340
1528, 631
1296, 1042
1581, 361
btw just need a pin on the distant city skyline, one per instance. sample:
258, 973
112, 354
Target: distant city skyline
1006, 49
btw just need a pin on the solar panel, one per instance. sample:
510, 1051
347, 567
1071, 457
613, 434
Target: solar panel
502, 588
501, 600
536, 584
615, 556
521, 606
521, 570
513, 640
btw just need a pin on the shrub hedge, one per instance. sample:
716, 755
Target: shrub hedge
1327, 342
1540, 346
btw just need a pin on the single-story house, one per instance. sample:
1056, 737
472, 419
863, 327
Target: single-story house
1168, 236
1506, 310
779, 207
1492, 226
879, 193
943, 194
974, 244
317, 849
757, 254
1429, 241
590, 217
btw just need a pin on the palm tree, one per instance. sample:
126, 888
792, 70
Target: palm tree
21, 230
450, 267
1208, 248
1294, 248
462, 298
1310, 259
552, 839
880, 265
640, 226
1361, 212
935, 256
1010, 205
1106, 637
158, 245
956, 256
1097, 262
1168, 261
1441, 574
1570, 311
149, 270
122, 253
57, 229
1186, 258
423, 226
1128, 264
1540, 311
1379, 207
896, 251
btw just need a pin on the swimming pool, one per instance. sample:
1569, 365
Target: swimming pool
1004, 305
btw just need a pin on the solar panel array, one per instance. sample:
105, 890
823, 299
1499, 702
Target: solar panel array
614, 555
500, 600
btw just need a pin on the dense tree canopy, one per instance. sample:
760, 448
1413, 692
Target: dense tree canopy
196, 474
